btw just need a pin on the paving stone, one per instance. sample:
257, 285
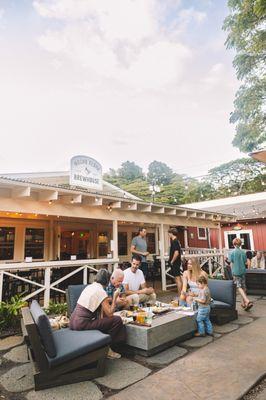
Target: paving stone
225, 328
198, 341
197, 376
216, 335
18, 379
10, 341
18, 354
121, 373
77, 391
258, 310
167, 356
242, 320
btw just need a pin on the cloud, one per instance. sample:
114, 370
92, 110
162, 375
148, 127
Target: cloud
120, 40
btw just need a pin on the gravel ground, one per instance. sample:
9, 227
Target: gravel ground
256, 391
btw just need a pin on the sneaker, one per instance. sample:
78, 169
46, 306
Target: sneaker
113, 355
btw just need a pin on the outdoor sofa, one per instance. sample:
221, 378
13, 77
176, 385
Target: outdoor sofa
256, 281
63, 356
223, 306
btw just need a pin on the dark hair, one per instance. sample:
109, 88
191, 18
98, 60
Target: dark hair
174, 231
102, 277
141, 228
136, 257
202, 279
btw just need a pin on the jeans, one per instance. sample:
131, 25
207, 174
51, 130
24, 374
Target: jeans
203, 320
144, 268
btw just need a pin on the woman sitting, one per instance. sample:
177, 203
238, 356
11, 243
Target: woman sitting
93, 311
190, 276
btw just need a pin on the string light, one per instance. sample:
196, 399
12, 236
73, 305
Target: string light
50, 202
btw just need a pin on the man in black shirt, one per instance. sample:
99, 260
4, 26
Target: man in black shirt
175, 258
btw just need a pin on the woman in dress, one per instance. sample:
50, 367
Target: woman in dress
94, 311
190, 277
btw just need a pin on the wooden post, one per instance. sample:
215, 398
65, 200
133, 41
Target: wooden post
58, 236
186, 237
162, 251
1, 285
85, 276
51, 240
115, 241
47, 282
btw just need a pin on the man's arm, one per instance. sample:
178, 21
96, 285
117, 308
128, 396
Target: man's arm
129, 292
141, 253
176, 254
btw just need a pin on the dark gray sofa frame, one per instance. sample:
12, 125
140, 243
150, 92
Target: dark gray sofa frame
78, 369
223, 307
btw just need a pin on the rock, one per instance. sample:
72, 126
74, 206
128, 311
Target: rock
242, 320
198, 341
10, 341
18, 379
167, 356
225, 328
18, 354
121, 373
77, 391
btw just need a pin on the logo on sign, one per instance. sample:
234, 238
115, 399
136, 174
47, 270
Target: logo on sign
86, 172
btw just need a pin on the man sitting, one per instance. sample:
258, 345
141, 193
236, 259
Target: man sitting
123, 302
135, 284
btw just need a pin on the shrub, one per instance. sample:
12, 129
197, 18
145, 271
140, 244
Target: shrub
10, 313
56, 308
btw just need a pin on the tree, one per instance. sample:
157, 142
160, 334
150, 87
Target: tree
159, 173
130, 171
247, 35
236, 177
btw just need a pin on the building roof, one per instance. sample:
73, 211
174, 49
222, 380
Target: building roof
259, 155
249, 206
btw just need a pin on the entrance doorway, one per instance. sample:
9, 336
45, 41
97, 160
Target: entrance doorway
245, 236
75, 243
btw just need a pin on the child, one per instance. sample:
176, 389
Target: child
203, 300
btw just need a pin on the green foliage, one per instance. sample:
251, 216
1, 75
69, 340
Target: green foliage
246, 34
130, 171
10, 312
159, 173
56, 308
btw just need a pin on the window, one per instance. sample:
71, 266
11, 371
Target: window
122, 243
202, 233
7, 241
34, 243
103, 244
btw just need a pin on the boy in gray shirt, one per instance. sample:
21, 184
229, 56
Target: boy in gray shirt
204, 308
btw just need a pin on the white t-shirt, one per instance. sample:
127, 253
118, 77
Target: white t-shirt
92, 296
133, 279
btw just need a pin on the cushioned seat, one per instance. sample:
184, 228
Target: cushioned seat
71, 344
219, 304
73, 292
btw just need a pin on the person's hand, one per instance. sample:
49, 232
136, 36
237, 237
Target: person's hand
149, 290
146, 253
116, 293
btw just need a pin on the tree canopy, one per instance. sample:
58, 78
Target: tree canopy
247, 35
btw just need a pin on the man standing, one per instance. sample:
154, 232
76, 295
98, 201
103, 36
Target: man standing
139, 246
135, 284
175, 258
238, 261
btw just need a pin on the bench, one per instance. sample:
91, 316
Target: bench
64, 356
223, 307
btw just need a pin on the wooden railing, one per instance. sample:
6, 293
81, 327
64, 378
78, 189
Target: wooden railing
47, 285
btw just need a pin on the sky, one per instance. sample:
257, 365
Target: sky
117, 80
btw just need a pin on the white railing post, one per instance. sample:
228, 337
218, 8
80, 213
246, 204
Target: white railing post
210, 266
47, 283
1, 285
115, 242
85, 275
162, 251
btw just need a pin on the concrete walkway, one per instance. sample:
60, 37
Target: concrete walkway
225, 369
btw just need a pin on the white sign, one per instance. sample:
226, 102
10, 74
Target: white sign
28, 259
86, 172
73, 258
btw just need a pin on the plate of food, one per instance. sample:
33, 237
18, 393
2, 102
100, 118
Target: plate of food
159, 309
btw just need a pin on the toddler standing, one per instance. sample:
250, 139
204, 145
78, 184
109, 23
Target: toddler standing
204, 300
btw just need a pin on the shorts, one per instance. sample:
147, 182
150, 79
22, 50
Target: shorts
175, 270
240, 281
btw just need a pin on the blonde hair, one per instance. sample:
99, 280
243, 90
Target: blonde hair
196, 269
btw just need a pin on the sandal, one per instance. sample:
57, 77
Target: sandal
248, 306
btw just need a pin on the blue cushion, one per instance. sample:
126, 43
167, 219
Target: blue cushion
219, 304
44, 328
223, 290
71, 344
74, 291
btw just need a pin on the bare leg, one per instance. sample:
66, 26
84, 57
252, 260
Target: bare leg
178, 281
245, 299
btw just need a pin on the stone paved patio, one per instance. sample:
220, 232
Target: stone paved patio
133, 377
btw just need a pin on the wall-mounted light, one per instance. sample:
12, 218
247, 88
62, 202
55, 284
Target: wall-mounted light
72, 201
109, 207
50, 202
